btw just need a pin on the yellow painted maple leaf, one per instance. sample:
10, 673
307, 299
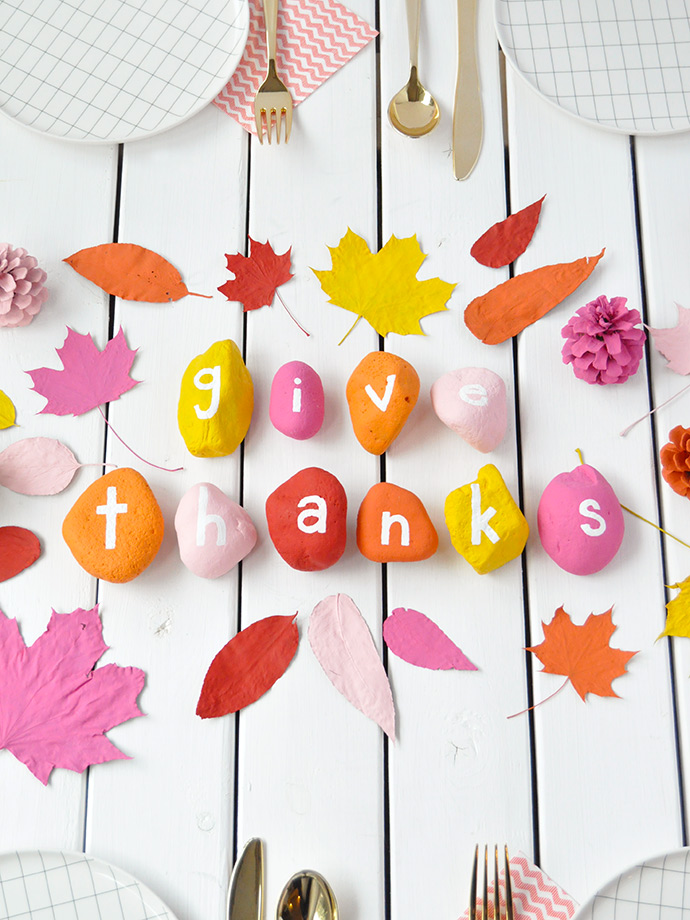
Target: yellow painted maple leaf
678, 619
383, 287
7, 413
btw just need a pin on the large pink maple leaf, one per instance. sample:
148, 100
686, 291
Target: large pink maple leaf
54, 707
89, 377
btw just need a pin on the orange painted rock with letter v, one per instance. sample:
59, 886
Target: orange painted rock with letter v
381, 393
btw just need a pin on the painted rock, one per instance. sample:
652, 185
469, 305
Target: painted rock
216, 401
296, 404
381, 393
472, 401
213, 532
115, 528
580, 521
307, 520
486, 526
393, 526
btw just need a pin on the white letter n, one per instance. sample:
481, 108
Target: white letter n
387, 521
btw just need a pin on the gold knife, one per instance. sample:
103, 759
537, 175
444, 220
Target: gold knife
468, 122
246, 891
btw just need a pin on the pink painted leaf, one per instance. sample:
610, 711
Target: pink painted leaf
674, 343
342, 643
37, 466
55, 707
89, 377
413, 637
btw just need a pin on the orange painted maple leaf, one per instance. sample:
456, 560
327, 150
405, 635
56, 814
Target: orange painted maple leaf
582, 653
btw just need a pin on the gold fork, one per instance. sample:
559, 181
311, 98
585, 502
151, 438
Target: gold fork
273, 102
483, 912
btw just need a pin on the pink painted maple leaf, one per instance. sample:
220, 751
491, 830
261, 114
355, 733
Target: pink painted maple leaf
55, 707
89, 377
674, 343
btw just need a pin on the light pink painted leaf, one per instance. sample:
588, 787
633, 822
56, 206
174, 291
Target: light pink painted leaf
55, 706
674, 343
413, 637
342, 643
89, 377
37, 466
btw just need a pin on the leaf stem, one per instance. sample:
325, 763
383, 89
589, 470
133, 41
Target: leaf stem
647, 414
549, 697
194, 294
138, 456
660, 529
290, 315
349, 330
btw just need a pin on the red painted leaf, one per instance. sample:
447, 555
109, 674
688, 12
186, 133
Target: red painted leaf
89, 377
19, 548
248, 666
508, 239
256, 277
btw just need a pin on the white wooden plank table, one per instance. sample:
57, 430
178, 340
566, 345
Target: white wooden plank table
585, 789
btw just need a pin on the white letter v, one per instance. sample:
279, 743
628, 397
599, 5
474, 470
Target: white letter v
381, 403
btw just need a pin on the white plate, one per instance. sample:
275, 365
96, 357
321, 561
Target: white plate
47, 885
115, 70
658, 889
623, 64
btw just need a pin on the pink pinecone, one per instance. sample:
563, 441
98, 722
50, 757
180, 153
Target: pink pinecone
21, 286
603, 343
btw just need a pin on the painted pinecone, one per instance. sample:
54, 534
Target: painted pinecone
675, 460
603, 343
21, 286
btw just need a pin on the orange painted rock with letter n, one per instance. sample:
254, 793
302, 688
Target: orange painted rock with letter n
115, 528
393, 526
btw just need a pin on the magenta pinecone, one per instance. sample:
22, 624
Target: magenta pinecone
603, 343
21, 286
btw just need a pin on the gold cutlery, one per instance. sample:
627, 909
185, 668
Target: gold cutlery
413, 111
307, 896
273, 102
468, 122
483, 912
246, 890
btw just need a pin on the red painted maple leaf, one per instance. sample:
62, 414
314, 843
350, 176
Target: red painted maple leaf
89, 377
582, 653
256, 277
55, 707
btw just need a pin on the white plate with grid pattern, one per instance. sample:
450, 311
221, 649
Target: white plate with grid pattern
622, 64
48, 885
657, 889
106, 71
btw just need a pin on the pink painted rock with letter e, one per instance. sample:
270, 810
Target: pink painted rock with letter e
472, 401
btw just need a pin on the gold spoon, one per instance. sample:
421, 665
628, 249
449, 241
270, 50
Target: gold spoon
307, 896
413, 111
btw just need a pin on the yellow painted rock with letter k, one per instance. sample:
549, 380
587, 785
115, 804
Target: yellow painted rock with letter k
485, 524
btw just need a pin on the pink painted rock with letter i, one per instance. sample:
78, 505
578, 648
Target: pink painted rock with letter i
296, 405
307, 520
213, 532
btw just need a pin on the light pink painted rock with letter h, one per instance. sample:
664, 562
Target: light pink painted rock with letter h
472, 401
213, 532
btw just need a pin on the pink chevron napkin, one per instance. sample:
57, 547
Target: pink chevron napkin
535, 895
315, 38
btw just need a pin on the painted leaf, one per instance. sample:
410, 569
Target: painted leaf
678, 619
507, 239
248, 666
509, 308
19, 548
415, 638
55, 707
130, 272
674, 343
256, 277
342, 643
582, 653
37, 466
89, 377
8, 415
383, 286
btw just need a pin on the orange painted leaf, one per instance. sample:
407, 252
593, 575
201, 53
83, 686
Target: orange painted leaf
130, 271
582, 653
248, 666
522, 300
508, 239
